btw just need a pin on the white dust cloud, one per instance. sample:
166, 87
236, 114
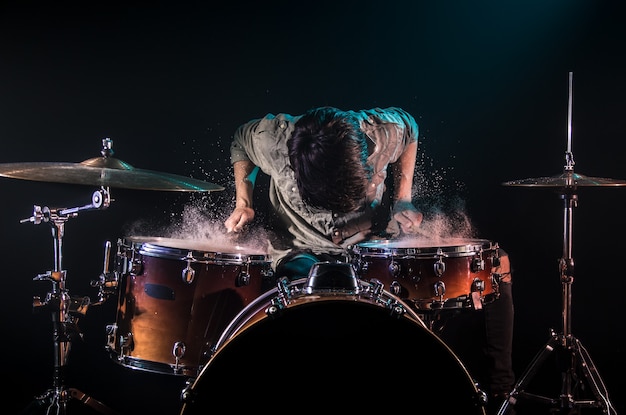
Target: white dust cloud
438, 225
438, 196
199, 222
201, 227
436, 193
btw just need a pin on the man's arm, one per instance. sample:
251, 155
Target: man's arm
245, 173
408, 217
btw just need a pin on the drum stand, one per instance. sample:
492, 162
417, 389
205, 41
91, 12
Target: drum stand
63, 310
577, 358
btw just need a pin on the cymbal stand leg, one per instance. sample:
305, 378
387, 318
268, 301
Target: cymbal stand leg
528, 375
578, 357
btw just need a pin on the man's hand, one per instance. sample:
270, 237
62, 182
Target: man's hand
238, 219
408, 217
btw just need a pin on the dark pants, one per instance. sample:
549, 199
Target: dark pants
481, 339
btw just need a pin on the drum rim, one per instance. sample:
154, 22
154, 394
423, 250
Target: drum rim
162, 247
153, 366
467, 246
246, 317
249, 319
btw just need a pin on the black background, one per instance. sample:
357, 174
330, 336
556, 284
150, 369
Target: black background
169, 83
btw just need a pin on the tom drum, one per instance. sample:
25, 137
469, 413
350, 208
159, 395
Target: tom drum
432, 274
176, 298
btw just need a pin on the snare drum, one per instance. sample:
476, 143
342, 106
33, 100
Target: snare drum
176, 298
453, 273
334, 342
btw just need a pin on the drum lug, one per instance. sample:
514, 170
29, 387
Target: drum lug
111, 332
478, 264
135, 266
478, 285
243, 279
188, 274
476, 293
126, 345
439, 267
395, 288
440, 289
394, 269
178, 351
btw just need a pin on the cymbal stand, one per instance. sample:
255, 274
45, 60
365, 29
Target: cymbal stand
63, 308
578, 359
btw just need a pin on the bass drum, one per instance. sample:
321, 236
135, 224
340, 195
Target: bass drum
356, 349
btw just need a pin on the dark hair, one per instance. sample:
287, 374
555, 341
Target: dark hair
328, 154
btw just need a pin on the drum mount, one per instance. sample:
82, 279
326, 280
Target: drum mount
65, 309
579, 360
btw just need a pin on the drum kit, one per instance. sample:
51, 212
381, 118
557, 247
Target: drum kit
210, 311
186, 307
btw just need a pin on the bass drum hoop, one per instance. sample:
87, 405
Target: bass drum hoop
325, 352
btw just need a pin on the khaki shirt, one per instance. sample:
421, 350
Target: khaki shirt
264, 142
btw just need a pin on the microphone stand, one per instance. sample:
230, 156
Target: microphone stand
63, 308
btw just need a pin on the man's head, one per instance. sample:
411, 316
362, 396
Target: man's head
328, 154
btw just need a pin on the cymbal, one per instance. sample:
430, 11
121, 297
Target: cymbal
106, 172
565, 180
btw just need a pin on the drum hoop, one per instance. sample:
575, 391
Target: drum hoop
243, 318
196, 383
151, 247
471, 247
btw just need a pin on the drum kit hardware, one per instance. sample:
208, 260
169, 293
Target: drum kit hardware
579, 361
65, 310
207, 310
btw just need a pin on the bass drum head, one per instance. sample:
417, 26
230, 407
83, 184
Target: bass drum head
332, 353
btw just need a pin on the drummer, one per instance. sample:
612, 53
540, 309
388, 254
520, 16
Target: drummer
338, 178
